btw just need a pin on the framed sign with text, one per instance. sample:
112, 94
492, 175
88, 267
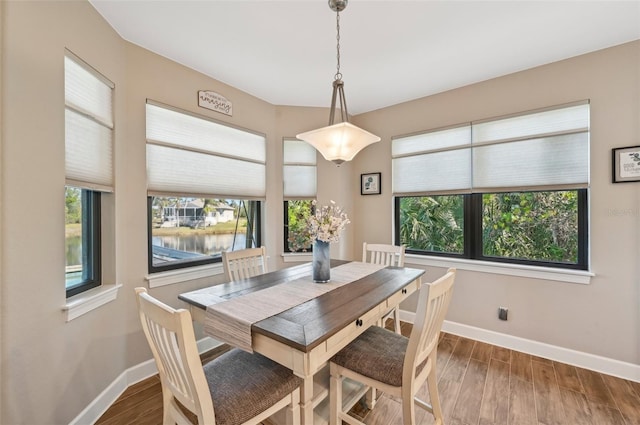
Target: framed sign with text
214, 101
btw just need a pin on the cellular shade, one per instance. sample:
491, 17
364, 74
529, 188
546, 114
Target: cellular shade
88, 126
188, 155
432, 162
545, 149
299, 170
540, 150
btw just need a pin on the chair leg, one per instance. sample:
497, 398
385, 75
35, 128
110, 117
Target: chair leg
432, 383
371, 398
167, 413
396, 320
408, 407
335, 396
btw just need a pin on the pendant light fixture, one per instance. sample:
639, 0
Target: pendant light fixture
339, 142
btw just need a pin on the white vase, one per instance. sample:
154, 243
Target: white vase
321, 262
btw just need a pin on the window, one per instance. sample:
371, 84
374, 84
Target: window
82, 239
509, 190
206, 181
89, 170
186, 232
299, 189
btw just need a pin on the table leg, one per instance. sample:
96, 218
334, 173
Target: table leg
306, 401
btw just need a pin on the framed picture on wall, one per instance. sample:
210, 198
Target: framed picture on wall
370, 184
626, 164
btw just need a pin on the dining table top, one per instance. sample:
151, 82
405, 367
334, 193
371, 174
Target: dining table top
308, 324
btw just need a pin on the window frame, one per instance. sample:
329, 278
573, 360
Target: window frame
182, 264
89, 159
91, 243
473, 242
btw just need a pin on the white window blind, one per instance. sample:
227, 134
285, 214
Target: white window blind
88, 126
432, 162
541, 150
299, 170
189, 155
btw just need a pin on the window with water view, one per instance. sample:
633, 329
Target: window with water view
186, 231
82, 239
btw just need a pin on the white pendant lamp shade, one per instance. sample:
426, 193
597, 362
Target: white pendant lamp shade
339, 142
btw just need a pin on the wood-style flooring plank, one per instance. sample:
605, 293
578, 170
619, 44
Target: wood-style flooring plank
445, 348
521, 366
635, 386
576, 407
451, 379
595, 388
549, 407
606, 415
387, 412
467, 407
501, 353
495, 401
522, 407
147, 409
482, 352
151, 395
567, 377
626, 400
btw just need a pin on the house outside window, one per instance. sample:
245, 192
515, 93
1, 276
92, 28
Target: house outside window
511, 190
186, 232
299, 190
89, 128
206, 182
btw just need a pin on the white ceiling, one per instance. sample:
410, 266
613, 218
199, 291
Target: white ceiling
284, 52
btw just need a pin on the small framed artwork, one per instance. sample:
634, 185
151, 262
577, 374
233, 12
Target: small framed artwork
626, 164
370, 184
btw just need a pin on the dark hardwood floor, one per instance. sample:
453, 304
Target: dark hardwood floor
479, 384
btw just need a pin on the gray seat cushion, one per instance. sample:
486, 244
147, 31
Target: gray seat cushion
377, 353
243, 385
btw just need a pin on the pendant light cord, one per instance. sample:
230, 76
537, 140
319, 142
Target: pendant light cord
338, 75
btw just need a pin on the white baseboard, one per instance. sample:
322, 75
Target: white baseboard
131, 376
593, 362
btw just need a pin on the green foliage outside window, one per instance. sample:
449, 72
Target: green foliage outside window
73, 205
298, 237
433, 223
528, 226
541, 226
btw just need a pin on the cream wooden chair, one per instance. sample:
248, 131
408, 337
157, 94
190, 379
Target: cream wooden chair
388, 255
244, 263
244, 388
393, 363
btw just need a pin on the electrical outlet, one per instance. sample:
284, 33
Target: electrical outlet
502, 313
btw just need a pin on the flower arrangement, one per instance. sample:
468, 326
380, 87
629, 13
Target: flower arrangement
324, 225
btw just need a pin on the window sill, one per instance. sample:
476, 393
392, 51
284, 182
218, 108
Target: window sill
297, 257
182, 275
83, 303
534, 272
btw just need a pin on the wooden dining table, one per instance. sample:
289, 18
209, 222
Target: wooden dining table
303, 338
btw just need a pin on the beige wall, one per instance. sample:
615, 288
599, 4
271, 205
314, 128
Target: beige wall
51, 370
601, 318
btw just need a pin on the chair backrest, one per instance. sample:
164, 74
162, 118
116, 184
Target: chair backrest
433, 303
388, 255
244, 263
170, 335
